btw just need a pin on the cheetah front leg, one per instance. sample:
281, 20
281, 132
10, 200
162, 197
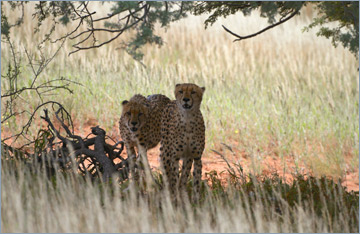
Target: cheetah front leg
197, 179
185, 171
175, 175
167, 165
144, 159
130, 150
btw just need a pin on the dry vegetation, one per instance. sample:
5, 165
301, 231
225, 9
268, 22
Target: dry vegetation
284, 94
31, 202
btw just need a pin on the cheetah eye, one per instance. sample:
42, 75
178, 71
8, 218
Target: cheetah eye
128, 113
181, 91
193, 92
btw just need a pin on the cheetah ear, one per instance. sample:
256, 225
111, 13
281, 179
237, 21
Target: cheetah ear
203, 89
177, 85
124, 102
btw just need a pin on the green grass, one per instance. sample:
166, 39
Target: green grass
284, 93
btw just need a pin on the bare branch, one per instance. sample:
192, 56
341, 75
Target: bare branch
106, 42
92, 30
25, 127
282, 20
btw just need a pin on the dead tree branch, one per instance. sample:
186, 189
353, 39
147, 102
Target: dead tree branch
15, 94
281, 21
100, 159
82, 14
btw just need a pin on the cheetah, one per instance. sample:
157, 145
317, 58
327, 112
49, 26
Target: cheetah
183, 137
140, 124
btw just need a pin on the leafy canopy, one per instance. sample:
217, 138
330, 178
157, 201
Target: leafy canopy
141, 17
346, 15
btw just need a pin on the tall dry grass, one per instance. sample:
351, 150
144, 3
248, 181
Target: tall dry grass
283, 93
33, 201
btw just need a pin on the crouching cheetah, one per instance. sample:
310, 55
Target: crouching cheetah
183, 136
140, 124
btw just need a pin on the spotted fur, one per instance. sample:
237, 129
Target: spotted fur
140, 123
183, 137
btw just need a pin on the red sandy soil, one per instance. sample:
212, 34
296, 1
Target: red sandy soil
212, 161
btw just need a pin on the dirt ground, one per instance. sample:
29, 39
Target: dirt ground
213, 161
268, 165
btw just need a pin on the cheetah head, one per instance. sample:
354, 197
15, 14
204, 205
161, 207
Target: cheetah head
189, 96
135, 114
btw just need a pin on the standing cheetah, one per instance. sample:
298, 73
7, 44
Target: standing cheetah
183, 136
140, 124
